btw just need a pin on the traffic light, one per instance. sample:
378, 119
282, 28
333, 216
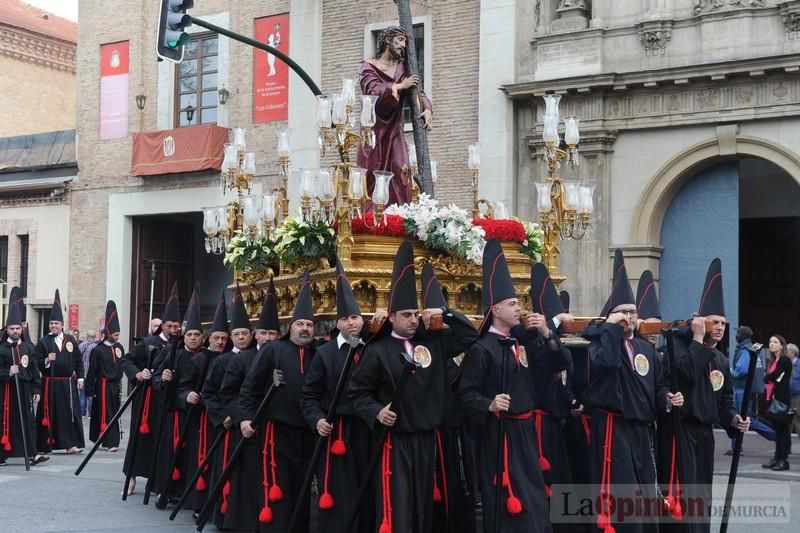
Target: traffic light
172, 21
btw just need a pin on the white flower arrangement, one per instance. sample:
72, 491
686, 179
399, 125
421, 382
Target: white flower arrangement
446, 229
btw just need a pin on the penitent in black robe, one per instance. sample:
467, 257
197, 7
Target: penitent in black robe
288, 443
103, 384
404, 481
58, 414
11, 442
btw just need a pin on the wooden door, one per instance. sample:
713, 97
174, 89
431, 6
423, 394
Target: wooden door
167, 244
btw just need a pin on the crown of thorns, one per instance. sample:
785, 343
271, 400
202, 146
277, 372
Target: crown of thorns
390, 33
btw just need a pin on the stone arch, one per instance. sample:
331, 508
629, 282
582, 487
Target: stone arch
648, 215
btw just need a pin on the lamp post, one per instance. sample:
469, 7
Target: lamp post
565, 207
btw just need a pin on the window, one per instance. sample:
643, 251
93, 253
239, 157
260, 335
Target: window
3, 260
196, 84
23, 264
44, 320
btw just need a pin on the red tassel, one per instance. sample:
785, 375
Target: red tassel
46, 422
544, 464
4, 440
226, 490
265, 516
144, 428
609, 529
223, 508
668, 501
385, 527
275, 493
548, 491
505, 479
338, 447
103, 427
7, 446
437, 495
201, 484
677, 510
176, 474
602, 521
326, 501
513, 505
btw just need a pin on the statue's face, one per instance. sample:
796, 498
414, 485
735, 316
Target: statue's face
397, 47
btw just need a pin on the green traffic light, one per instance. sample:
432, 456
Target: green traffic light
183, 40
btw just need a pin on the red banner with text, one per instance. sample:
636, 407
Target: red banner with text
114, 65
74, 311
270, 74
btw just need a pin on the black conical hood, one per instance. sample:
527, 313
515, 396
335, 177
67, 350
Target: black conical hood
432, 295
497, 284
220, 316
172, 309
16, 296
403, 294
238, 312
268, 319
15, 315
564, 295
56, 313
346, 303
646, 297
544, 297
303, 307
619, 262
712, 301
191, 320
112, 319
621, 292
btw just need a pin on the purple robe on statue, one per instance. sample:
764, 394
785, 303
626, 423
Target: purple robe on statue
390, 152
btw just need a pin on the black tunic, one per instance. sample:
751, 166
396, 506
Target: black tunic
404, 484
58, 414
22, 355
288, 441
626, 391
145, 428
103, 384
337, 472
481, 381
200, 434
700, 370
245, 481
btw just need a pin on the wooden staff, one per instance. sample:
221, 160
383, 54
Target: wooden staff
645, 328
354, 342
216, 491
737, 445
23, 418
498, 472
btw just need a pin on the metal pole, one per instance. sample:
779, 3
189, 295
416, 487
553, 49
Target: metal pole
152, 287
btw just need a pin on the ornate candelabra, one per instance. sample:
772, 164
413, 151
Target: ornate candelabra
565, 207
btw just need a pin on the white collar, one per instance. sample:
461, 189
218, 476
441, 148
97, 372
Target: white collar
163, 337
12, 343
108, 343
496, 331
236, 350
396, 336
340, 340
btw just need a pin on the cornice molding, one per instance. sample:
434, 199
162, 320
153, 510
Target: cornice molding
33, 48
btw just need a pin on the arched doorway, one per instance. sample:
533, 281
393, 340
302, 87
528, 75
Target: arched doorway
747, 212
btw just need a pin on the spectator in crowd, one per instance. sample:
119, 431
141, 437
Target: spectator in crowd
794, 387
779, 374
155, 326
741, 364
86, 348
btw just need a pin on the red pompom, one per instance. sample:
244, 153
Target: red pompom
602, 521
144, 428
4, 440
7, 446
275, 493
224, 507
201, 484
513, 505
548, 491
437, 495
226, 490
103, 427
46, 422
677, 510
265, 516
338, 447
544, 464
326, 501
176, 474
385, 527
